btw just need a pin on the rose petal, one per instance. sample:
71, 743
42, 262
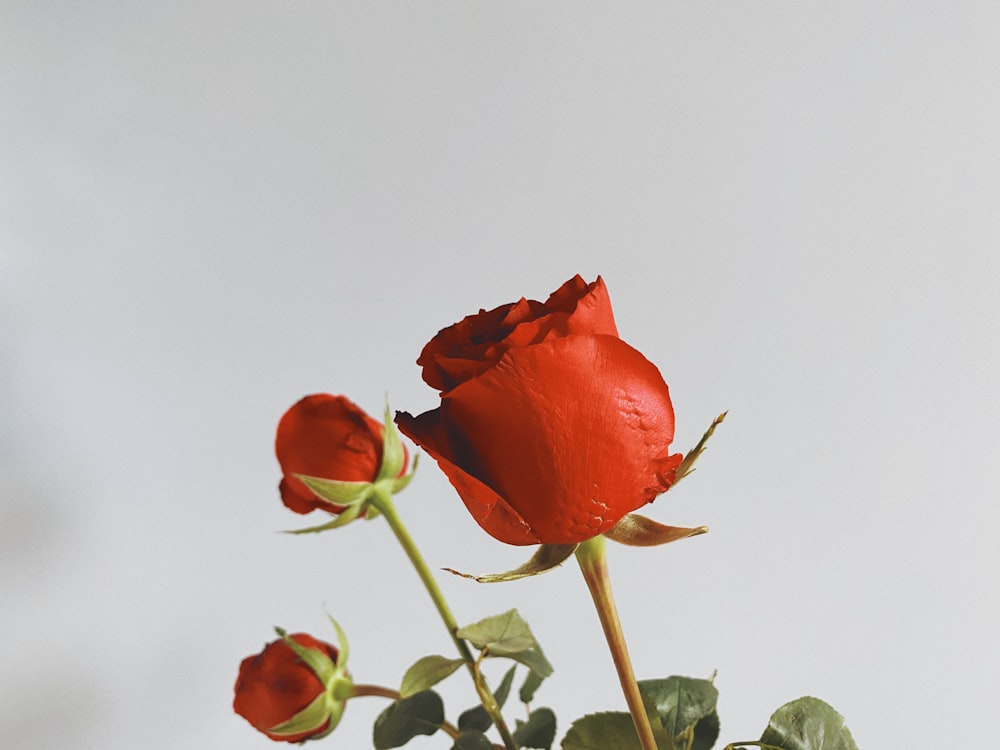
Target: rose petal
477, 342
275, 684
329, 437
569, 435
489, 509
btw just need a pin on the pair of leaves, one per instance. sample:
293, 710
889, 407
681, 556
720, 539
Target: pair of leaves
681, 711
539, 731
683, 716
804, 724
505, 635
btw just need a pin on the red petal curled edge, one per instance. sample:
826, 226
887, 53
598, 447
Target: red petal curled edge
489, 510
477, 342
568, 435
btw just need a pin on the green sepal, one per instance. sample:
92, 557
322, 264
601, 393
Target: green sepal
398, 484
638, 531
507, 635
393, 454
343, 650
472, 739
309, 719
539, 731
328, 706
546, 557
808, 724
335, 491
427, 672
320, 664
687, 465
683, 708
350, 513
420, 714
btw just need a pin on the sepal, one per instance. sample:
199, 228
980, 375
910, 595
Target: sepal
310, 719
350, 513
337, 492
327, 707
639, 531
321, 664
546, 557
393, 453
687, 465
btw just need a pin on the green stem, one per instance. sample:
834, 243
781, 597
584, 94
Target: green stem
594, 566
384, 503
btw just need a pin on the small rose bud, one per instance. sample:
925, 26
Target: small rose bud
293, 690
331, 438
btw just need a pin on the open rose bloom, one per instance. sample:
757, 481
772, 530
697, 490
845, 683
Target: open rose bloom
551, 428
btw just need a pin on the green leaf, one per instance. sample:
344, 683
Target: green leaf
508, 635
639, 531
427, 672
336, 492
706, 732
472, 740
539, 731
546, 557
808, 724
407, 718
503, 690
613, 730
531, 684
475, 718
684, 708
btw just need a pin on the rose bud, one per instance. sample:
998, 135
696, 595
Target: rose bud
294, 690
551, 428
331, 438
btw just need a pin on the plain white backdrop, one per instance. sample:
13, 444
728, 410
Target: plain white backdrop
211, 209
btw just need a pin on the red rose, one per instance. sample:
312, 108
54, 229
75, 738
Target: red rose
551, 428
276, 685
328, 437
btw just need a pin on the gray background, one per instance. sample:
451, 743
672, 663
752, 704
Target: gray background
210, 209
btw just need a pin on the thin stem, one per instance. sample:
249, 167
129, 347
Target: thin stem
384, 503
594, 566
358, 691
